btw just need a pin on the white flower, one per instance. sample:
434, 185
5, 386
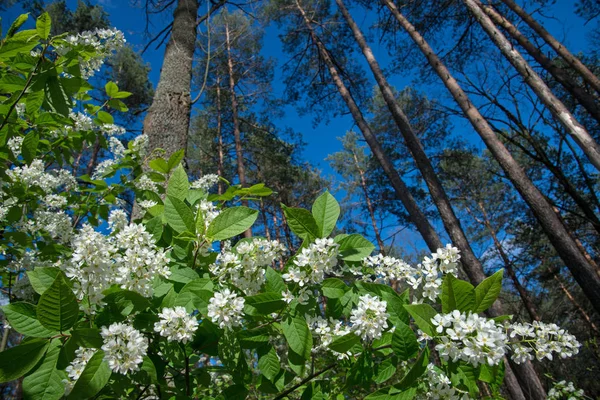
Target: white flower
145, 183
76, 367
388, 269
543, 339
146, 204
14, 144
226, 309
314, 262
117, 220
287, 296
139, 145
205, 182
563, 390
370, 318
124, 347
176, 324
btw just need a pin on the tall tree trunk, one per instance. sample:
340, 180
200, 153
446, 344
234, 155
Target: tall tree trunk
508, 266
220, 162
553, 104
552, 225
168, 118
415, 214
263, 214
573, 61
470, 263
241, 169
584, 98
363, 185
576, 304
89, 169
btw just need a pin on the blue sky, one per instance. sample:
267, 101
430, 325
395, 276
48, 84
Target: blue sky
321, 140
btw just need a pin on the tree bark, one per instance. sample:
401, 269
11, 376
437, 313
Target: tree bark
553, 104
573, 61
575, 303
220, 163
241, 169
168, 118
363, 184
415, 214
584, 98
552, 225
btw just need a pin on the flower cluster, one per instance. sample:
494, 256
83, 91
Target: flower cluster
226, 309
124, 347
388, 269
565, 390
313, 263
34, 175
103, 41
205, 182
176, 324
470, 338
327, 331
76, 367
369, 320
439, 386
443, 261
543, 340
244, 266
14, 144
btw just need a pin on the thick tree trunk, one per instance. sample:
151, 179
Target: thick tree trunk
584, 98
470, 263
220, 162
552, 225
553, 104
508, 266
363, 185
573, 61
168, 118
415, 214
241, 169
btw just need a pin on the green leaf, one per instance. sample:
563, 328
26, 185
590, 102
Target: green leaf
457, 295
160, 165
34, 102
179, 215
58, 309
326, 211
175, 159
334, 288
105, 117
185, 275
59, 100
19, 360
487, 291
30, 145
301, 222
42, 26
404, 342
422, 314
263, 303
386, 370
355, 247
23, 318
12, 83
111, 89
178, 184
93, 378
415, 372
41, 278
87, 337
345, 343
268, 362
231, 222
122, 95
298, 336
21, 19
274, 282
45, 383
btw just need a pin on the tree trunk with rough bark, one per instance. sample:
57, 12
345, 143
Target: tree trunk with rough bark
220, 162
573, 61
552, 225
584, 98
415, 214
553, 104
168, 118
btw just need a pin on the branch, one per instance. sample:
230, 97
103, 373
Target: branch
304, 381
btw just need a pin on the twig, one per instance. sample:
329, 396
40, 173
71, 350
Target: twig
304, 381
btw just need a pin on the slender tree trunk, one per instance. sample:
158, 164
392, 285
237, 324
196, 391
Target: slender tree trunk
168, 118
470, 263
564, 244
263, 213
508, 266
89, 169
557, 108
363, 184
578, 306
573, 61
241, 169
220, 163
415, 214
584, 98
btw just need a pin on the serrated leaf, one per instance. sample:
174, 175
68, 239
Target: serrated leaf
178, 185
93, 378
263, 303
301, 222
345, 343
21, 19
111, 89
326, 211
385, 370
42, 26
160, 165
179, 215
457, 295
274, 281
232, 221
422, 314
175, 159
19, 360
58, 309
415, 372
404, 342
268, 363
30, 145
23, 318
487, 291
298, 336
41, 278
45, 383
355, 247
334, 288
